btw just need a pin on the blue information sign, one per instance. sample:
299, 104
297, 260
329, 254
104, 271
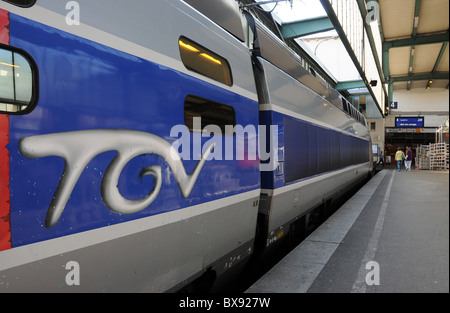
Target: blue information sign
414, 122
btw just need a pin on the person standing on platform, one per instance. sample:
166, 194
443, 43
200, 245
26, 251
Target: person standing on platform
399, 157
408, 159
381, 159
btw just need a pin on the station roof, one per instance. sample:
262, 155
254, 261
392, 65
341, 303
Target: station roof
415, 35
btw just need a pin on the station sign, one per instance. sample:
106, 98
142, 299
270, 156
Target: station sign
413, 122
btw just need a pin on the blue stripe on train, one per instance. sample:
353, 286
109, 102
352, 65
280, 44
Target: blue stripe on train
307, 150
85, 85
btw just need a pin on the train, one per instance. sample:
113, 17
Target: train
147, 145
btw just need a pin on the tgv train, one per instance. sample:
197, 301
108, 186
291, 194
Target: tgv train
116, 122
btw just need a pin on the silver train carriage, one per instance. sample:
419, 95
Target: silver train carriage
144, 146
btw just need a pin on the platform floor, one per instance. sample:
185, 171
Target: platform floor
390, 237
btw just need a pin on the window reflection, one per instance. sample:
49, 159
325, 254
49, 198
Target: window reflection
203, 61
16, 82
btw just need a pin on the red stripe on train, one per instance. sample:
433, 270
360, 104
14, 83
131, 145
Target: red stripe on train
5, 207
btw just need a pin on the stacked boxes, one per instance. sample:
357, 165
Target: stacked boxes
439, 156
423, 157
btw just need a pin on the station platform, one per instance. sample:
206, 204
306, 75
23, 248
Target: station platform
391, 237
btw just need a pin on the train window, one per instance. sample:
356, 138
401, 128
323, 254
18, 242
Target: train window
18, 81
203, 61
210, 112
344, 105
22, 3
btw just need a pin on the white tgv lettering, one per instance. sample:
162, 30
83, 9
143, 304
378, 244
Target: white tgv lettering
78, 148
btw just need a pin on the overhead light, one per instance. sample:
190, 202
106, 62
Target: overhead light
429, 84
416, 21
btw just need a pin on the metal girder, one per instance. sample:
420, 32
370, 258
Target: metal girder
416, 17
412, 42
380, 26
441, 54
337, 26
306, 27
422, 40
362, 8
350, 85
414, 35
420, 77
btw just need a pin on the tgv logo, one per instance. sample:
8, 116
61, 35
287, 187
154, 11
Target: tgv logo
78, 148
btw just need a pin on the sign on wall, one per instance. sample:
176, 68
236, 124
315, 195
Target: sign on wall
414, 122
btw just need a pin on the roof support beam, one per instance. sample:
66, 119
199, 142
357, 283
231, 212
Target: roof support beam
441, 54
423, 40
413, 48
411, 63
420, 77
337, 25
391, 94
380, 26
386, 62
416, 18
306, 27
350, 85
362, 8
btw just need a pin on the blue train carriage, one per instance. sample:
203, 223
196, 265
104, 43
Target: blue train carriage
90, 113
323, 146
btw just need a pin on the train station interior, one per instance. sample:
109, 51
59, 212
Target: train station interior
391, 60
350, 99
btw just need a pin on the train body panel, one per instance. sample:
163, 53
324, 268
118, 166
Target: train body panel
320, 149
152, 254
287, 204
107, 89
112, 168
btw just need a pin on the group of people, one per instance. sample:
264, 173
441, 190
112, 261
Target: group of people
400, 157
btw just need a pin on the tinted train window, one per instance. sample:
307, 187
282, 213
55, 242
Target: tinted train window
344, 105
311, 150
22, 3
210, 112
203, 61
18, 81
